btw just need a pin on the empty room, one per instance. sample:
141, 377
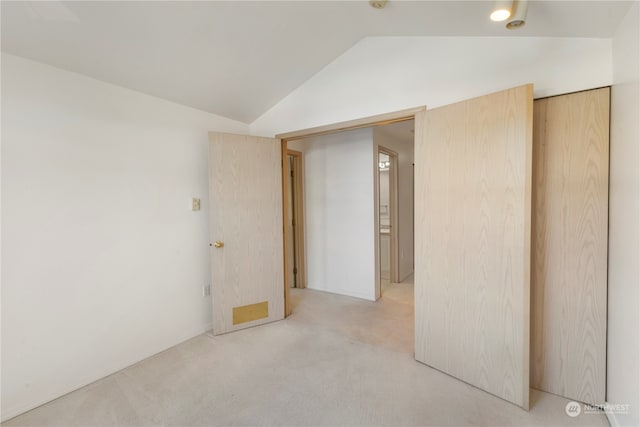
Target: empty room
320, 213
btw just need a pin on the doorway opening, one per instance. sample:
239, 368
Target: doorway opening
357, 222
291, 139
394, 144
386, 214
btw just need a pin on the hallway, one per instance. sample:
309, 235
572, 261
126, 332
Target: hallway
387, 323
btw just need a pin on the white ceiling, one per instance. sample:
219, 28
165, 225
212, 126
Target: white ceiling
239, 58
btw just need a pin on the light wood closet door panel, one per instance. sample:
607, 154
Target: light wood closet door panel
472, 231
245, 189
569, 260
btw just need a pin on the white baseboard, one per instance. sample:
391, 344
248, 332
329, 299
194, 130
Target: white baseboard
406, 276
345, 292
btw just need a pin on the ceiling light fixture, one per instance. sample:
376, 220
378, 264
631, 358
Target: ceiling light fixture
378, 4
501, 10
519, 15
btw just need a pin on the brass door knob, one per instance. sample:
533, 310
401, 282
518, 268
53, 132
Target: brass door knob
218, 244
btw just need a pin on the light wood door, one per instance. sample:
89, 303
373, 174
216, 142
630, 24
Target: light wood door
569, 260
472, 231
291, 221
245, 193
295, 219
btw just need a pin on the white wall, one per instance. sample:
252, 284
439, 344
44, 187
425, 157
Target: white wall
339, 212
404, 148
623, 350
383, 74
102, 262
384, 196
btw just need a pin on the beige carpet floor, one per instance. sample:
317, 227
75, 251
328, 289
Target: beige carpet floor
336, 361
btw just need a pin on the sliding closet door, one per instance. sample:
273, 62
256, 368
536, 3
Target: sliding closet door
569, 264
472, 231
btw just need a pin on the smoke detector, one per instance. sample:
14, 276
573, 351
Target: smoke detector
378, 4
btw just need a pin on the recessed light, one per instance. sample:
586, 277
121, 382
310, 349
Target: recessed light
501, 11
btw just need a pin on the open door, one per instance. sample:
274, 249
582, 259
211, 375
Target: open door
245, 228
472, 241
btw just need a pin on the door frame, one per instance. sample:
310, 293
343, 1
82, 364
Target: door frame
393, 216
377, 120
298, 212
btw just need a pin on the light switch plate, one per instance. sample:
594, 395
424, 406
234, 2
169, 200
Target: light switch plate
195, 204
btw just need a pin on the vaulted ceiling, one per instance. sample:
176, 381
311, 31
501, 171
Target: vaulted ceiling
239, 58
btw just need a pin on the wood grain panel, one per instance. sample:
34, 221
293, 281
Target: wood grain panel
285, 230
569, 257
472, 231
245, 192
298, 214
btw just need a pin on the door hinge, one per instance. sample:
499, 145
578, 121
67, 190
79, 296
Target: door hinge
295, 270
291, 174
